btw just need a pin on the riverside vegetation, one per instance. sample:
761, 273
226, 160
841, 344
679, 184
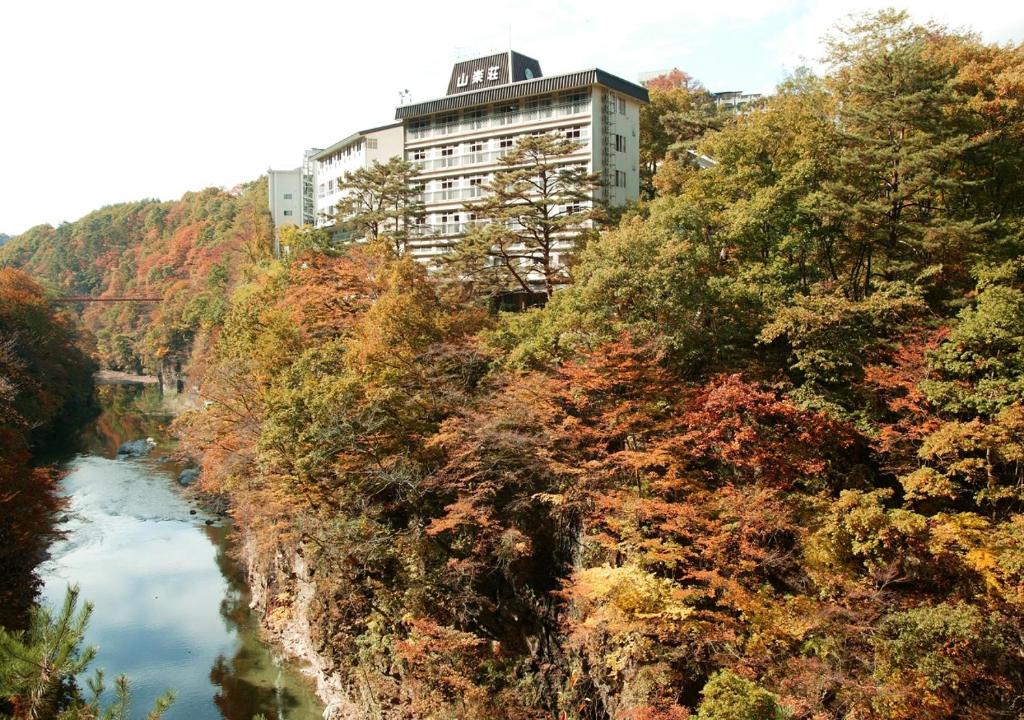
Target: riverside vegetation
45, 387
761, 457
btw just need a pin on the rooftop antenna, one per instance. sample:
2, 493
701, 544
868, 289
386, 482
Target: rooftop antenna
404, 97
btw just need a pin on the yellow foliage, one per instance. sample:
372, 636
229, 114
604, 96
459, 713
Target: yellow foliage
630, 592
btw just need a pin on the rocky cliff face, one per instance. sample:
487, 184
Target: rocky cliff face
172, 379
282, 591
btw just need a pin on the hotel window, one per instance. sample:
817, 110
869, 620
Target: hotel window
573, 209
330, 186
574, 133
287, 196
575, 101
508, 114
506, 143
620, 143
320, 190
447, 150
448, 191
476, 147
420, 127
622, 106
620, 179
419, 154
287, 212
476, 118
371, 143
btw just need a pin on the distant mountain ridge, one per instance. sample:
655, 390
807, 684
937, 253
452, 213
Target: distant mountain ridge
187, 251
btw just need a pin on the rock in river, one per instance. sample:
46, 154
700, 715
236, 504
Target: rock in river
188, 476
136, 448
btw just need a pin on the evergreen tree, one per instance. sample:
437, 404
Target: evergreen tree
380, 204
38, 669
531, 217
897, 156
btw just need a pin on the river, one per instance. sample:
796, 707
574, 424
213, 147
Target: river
171, 605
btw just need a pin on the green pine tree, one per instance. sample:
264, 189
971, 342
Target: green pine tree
534, 211
380, 204
38, 669
896, 165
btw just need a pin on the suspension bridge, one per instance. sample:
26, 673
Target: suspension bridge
111, 299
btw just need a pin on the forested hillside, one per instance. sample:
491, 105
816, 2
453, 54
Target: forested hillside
762, 458
188, 252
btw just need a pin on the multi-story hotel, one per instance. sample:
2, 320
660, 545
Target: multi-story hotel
358, 150
456, 140
493, 101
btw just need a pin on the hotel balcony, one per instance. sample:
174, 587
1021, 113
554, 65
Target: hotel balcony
484, 157
499, 120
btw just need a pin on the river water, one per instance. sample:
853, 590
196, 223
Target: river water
171, 606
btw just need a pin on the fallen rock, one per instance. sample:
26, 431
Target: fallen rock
136, 448
188, 476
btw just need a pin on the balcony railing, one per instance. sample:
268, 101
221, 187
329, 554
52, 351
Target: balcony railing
498, 120
441, 229
474, 158
451, 194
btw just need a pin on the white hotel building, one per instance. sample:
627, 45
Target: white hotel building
456, 141
493, 101
358, 150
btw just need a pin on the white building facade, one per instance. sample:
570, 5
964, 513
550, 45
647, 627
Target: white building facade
358, 150
456, 141
284, 188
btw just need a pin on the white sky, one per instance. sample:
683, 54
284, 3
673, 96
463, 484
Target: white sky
103, 101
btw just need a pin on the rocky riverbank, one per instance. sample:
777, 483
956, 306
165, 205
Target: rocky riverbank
282, 592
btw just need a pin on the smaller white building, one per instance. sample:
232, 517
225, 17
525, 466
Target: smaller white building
285, 195
359, 150
284, 188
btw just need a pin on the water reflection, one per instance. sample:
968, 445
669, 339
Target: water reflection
171, 607
29, 508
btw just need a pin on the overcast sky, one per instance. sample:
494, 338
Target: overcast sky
104, 101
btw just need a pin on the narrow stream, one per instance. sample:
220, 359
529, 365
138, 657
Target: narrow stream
171, 606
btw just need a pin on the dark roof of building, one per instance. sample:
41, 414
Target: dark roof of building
492, 71
524, 88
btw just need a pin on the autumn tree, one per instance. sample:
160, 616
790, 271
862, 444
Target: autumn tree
380, 204
680, 112
535, 210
